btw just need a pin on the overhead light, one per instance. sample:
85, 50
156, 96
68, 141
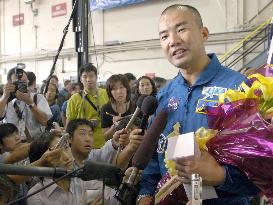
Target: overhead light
29, 1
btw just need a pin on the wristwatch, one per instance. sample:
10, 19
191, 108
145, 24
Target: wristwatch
31, 105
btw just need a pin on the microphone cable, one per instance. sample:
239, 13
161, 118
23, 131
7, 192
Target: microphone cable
48, 185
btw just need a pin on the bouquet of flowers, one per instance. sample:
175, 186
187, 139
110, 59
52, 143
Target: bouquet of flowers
244, 136
239, 134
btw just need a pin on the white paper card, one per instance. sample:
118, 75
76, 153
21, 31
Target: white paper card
183, 145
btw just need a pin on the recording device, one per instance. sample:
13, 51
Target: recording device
56, 125
19, 83
126, 192
94, 122
102, 171
196, 184
122, 123
148, 108
90, 171
136, 113
63, 141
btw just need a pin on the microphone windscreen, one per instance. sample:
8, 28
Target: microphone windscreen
96, 170
149, 105
145, 150
140, 100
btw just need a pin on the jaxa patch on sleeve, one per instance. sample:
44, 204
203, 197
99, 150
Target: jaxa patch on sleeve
202, 105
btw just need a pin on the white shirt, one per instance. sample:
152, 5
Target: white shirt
80, 193
34, 127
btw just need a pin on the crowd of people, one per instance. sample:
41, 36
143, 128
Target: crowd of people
33, 122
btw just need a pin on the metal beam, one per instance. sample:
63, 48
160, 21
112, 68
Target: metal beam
80, 27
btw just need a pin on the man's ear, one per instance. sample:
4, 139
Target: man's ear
205, 33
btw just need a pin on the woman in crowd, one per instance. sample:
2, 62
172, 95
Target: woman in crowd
145, 86
51, 95
119, 104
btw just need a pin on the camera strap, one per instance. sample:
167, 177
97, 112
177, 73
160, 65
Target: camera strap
20, 117
89, 101
19, 113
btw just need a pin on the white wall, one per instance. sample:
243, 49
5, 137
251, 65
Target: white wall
128, 24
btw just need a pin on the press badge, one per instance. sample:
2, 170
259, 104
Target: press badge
204, 104
21, 129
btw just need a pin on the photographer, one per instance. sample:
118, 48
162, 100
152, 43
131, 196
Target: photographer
28, 111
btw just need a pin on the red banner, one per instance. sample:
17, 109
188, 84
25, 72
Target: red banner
18, 20
58, 10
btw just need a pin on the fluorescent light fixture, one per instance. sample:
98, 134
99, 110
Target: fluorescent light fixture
29, 1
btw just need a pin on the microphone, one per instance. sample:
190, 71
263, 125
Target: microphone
142, 157
133, 118
145, 150
148, 108
136, 113
90, 171
10, 169
96, 170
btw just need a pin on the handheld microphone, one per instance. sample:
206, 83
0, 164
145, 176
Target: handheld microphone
148, 108
10, 169
136, 113
134, 117
96, 170
145, 151
142, 157
90, 171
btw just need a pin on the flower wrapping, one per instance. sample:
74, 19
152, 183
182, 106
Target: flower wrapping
244, 139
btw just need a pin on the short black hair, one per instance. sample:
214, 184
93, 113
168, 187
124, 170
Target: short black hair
130, 76
66, 82
31, 78
11, 72
54, 76
192, 9
160, 80
110, 83
74, 86
6, 130
89, 67
40, 145
74, 124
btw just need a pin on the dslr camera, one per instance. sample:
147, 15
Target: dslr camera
19, 83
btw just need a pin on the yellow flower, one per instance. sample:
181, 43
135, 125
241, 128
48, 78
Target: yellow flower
170, 165
203, 135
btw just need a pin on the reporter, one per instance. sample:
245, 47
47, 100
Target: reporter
29, 113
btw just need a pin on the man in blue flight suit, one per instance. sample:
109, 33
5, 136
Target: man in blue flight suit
200, 80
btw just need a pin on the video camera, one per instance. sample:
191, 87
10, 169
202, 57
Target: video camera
19, 83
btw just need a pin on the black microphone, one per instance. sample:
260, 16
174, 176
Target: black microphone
90, 171
97, 170
134, 117
148, 108
9, 169
125, 194
145, 150
136, 113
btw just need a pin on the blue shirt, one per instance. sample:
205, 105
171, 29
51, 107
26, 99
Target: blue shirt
185, 105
